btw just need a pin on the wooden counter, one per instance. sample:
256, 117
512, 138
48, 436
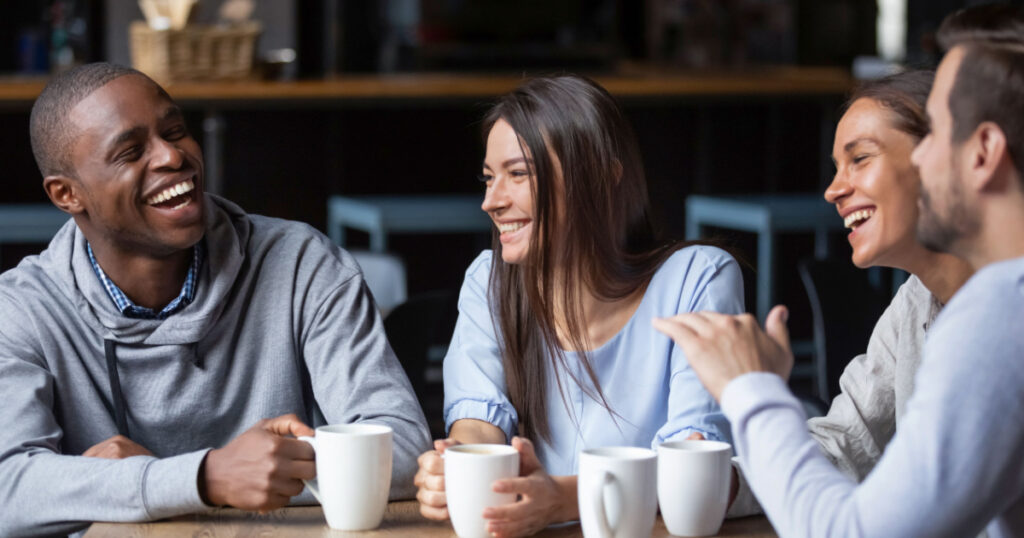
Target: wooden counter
637, 83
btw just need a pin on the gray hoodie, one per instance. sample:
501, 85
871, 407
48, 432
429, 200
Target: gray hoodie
281, 323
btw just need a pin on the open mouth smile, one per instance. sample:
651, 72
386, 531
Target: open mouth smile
511, 227
855, 219
176, 196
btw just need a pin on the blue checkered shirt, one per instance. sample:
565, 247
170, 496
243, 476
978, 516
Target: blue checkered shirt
132, 310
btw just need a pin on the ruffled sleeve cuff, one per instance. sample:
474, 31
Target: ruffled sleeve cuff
502, 416
710, 433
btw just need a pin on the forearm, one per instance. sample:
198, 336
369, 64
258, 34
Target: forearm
472, 431
53, 493
570, 509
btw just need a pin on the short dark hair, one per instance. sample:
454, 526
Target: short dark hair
988, 86
905, 95
990, 23
49, 129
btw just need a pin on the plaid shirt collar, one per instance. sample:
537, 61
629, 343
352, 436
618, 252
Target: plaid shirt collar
132, 310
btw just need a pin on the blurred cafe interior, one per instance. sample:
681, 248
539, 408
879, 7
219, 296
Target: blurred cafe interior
362, 119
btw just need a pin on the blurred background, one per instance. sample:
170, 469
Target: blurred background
377, 103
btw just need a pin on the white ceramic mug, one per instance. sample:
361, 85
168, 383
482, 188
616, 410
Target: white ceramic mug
469, 473
693, 486
353, 474
617, 492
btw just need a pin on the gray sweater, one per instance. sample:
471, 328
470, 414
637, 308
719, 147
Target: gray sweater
875, 388
281, 323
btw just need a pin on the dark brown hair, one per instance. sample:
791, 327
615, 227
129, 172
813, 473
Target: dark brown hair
990, 23
989, 86
606, 242
905, 95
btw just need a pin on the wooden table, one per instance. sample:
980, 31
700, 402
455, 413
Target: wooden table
401, 519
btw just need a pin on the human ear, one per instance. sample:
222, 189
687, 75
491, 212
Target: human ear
64, 193
988, 156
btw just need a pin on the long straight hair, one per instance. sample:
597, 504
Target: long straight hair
597, 216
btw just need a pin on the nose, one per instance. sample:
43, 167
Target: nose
839, 188
915, 156
496, 197
166, 154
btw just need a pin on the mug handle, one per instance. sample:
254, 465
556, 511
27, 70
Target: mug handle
313, 485
597, 498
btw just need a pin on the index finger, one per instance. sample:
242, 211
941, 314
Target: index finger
675, 328
519, 486
289, 424
297, 450
431, 462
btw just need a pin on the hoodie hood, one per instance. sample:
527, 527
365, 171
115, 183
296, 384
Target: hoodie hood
227, 234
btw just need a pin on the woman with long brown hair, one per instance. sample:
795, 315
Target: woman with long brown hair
554, 347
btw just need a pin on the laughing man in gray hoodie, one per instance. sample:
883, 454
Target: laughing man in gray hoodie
144, 353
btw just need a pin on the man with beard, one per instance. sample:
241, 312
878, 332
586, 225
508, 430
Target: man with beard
954, 467
160, 355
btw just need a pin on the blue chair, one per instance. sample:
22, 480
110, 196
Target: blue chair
30, 223
383, 215
765, 215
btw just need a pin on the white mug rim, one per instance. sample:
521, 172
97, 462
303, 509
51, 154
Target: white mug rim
493, 450
694, 445
354, 429
622, 453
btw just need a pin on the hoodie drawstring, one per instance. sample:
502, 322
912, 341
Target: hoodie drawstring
115, 388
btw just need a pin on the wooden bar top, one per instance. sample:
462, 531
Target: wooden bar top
401, 519
636, 83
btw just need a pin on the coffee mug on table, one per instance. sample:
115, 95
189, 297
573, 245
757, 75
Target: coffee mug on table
617, 492
353, 474
469, 474
693, 486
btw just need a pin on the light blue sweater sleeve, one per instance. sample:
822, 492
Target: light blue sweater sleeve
714, 283
474, 378
955, 463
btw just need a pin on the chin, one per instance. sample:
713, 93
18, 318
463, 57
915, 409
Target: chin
863, 260
514, 258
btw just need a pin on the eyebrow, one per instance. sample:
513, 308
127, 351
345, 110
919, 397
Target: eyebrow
173, 111
126, 135
853, 143
512, 161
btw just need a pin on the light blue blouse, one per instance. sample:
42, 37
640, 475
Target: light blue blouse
646, 379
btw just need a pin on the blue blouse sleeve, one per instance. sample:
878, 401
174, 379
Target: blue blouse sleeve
713, 283
474, 378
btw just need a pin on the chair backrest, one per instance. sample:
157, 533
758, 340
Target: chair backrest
420, 330
845, 307
385, 276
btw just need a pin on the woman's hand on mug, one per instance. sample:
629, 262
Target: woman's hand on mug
543, 499
430, 481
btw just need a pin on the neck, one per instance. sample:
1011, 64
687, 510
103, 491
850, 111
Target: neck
602, 318
1001, 233
941, 273
148, 281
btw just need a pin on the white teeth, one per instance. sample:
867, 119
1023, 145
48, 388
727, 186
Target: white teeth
857, 218
510, 227
171, 192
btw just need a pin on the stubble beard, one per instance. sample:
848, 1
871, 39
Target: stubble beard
942, 233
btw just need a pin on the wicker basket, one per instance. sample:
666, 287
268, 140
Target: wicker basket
194, 53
